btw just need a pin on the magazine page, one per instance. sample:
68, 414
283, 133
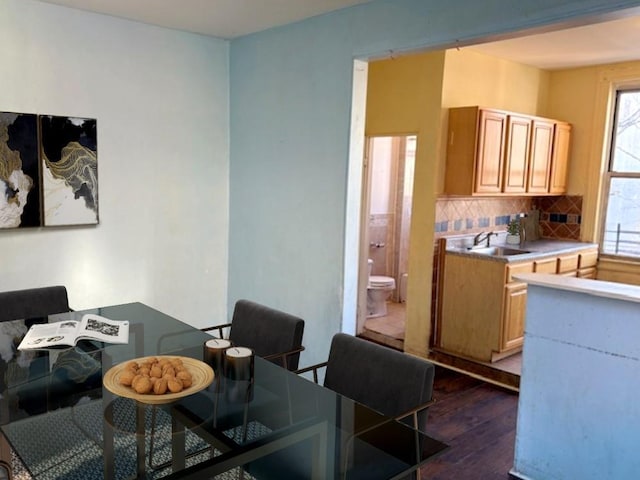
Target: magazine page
45, 335
103, 329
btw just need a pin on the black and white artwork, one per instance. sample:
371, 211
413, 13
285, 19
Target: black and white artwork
69, 161
48, 170
19, 177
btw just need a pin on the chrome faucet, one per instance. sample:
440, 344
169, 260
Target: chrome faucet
483, 236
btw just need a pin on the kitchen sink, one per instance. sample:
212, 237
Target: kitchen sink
498, 251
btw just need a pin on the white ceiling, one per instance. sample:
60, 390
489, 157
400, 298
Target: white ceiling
608, 42
218, 18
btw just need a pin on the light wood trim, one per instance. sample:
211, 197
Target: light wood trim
540, 160
560, 158
437, 327
568, 263
517, 154
545, 265
590, 272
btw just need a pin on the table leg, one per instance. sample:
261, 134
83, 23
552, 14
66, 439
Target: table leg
178, 441
140, 439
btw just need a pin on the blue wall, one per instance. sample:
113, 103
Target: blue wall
290, 114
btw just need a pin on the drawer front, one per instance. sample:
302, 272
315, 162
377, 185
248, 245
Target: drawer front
589, 272
588, 259
547, 265
568, 263
517, 269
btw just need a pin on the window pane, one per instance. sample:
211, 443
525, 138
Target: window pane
622, 229
626, 152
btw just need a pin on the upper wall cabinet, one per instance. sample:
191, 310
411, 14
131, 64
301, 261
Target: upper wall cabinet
494, 152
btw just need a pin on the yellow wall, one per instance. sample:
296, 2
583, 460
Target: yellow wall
399, 90
472, 78
584, 97
404, 96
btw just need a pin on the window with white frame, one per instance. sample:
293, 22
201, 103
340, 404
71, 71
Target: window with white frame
621, 229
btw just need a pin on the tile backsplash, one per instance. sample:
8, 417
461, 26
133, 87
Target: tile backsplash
463, 215
560, 217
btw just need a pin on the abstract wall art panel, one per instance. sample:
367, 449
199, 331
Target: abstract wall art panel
69, 161
19, 178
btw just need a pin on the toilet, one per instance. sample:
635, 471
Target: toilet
379, 289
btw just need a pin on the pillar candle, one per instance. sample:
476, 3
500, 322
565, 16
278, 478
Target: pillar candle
238, 371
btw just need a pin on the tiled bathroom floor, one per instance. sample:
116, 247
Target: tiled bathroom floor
388, 330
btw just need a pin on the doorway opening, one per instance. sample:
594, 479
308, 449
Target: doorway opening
386, 218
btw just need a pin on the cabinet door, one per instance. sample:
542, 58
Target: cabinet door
517, 154
540, 160
560, 158
568, 263
515, 303
588, 259
489, 158
545, 265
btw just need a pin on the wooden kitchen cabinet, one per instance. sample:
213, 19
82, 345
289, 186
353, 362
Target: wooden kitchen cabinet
515, 304
587, 263
545, 265
483, 308
540, 158
560, 158
475, 151
495, 152
568, 264
517, 154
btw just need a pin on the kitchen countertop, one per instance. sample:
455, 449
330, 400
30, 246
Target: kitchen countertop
599, 288
536, 249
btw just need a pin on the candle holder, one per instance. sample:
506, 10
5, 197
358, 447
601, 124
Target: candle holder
238, 372
213, 355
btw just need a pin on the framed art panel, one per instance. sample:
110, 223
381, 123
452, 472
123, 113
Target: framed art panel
19, 177
69, 160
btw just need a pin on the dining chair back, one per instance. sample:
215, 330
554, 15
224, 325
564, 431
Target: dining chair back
272, 334
389, 381
33, 302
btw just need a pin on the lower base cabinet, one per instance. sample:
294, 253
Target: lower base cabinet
483, 309
515, 304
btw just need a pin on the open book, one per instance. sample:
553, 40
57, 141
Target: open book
67, 332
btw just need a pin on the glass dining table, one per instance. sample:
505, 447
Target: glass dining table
62, 422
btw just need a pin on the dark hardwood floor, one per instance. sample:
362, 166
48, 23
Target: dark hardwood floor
478, 422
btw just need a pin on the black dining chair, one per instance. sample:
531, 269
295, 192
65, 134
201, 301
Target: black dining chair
391, 382
33, 302
20, 305
272, 334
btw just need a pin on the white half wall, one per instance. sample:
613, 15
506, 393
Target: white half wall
161, 100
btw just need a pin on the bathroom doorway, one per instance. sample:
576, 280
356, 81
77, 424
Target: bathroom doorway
386, 211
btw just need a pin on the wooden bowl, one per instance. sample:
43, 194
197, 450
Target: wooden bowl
202, 375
